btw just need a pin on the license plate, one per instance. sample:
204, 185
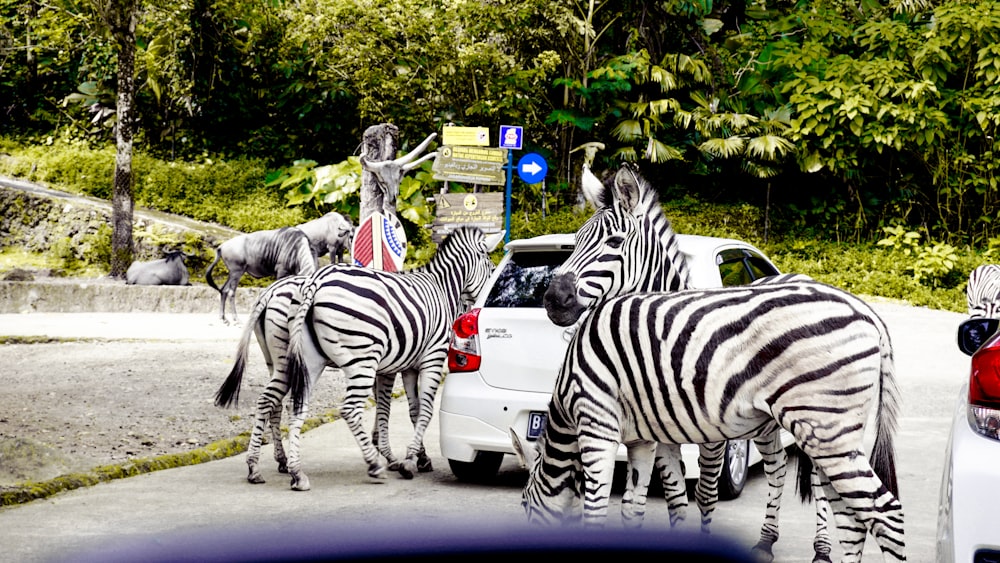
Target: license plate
536, 424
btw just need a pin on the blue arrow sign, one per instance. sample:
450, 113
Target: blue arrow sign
532, 168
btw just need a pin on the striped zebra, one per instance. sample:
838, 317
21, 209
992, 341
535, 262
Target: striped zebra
629, 243
983, 292
629, 207
269, 323
369, 322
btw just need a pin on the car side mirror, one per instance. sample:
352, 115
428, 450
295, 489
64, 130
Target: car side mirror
973, 332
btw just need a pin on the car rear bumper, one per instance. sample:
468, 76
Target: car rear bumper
476, 417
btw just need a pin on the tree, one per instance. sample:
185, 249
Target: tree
121, 17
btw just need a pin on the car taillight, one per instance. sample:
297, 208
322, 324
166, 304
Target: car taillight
463, 351
984, 390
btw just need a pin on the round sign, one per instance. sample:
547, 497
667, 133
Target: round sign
532, 168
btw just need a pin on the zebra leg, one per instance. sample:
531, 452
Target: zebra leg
821, 541
268, 407
775, 468
383, 404
640, 468
430, 378
670, 468
280, 457
410, 380
597, 456
360, 380
711, 458
861, 503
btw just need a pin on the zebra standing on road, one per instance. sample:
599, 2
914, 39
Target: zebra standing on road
369, 322
630, 213
983, 292
268, 321
628, 231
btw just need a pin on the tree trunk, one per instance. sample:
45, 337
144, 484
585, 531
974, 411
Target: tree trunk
121, 17
380, 142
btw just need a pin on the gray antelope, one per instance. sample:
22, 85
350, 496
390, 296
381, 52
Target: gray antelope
370, 323
705, 366
169, 270
269, 323
275, 253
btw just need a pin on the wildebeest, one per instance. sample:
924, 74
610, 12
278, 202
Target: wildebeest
330, 233
277, 252
169, 270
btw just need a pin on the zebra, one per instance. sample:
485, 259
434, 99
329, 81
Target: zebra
983, 292
612, 257
269, 323
370, 322
630, 207
280, 253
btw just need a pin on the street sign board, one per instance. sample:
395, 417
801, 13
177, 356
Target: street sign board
511, 137
466, 136
483, 210
532, 168
473, 165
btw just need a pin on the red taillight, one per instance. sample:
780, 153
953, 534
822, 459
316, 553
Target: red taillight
463, 351
984, 390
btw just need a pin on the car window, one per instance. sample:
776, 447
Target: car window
739, 266
524, 278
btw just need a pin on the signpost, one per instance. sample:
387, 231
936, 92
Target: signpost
465, 136
474, 165
483, 210
532, 168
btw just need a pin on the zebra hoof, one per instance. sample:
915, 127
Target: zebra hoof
822, 558
282, 468
300, 483
255, 478
407, 469
424, 464
762, 553
377, 472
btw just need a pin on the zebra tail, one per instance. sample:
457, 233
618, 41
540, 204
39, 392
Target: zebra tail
228, 394
295, 369
208, 272
803, 482
883, 457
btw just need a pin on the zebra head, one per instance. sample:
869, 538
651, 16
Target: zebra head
627, 246
983, 292
553, 492
467, 252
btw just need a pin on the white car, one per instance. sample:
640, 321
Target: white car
505, 354
968, 530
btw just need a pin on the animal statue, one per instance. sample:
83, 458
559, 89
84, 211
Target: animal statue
279, 253
983, 292
330, 234
370, 323
269, 323
621, 248
169, 270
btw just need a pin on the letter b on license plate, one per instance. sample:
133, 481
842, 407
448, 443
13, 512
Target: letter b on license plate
536, 424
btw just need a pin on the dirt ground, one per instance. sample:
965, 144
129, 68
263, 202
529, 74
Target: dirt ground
72, 406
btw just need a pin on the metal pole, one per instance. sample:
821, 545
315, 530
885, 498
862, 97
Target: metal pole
510, 180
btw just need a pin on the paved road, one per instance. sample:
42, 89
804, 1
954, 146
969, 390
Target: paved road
214, 498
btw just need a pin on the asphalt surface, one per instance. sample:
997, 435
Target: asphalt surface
211, 505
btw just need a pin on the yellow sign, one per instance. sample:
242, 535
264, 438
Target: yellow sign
471, 165
483, 210
466, 136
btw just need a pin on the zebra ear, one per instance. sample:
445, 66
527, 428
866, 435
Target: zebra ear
493, 241
627, 189
527, 456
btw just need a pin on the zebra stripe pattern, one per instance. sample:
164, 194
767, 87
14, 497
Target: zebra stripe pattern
268, 321
726, 364
621, 250
629, 246
369, 322
983, 292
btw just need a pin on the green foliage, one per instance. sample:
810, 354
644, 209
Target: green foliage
932, 264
